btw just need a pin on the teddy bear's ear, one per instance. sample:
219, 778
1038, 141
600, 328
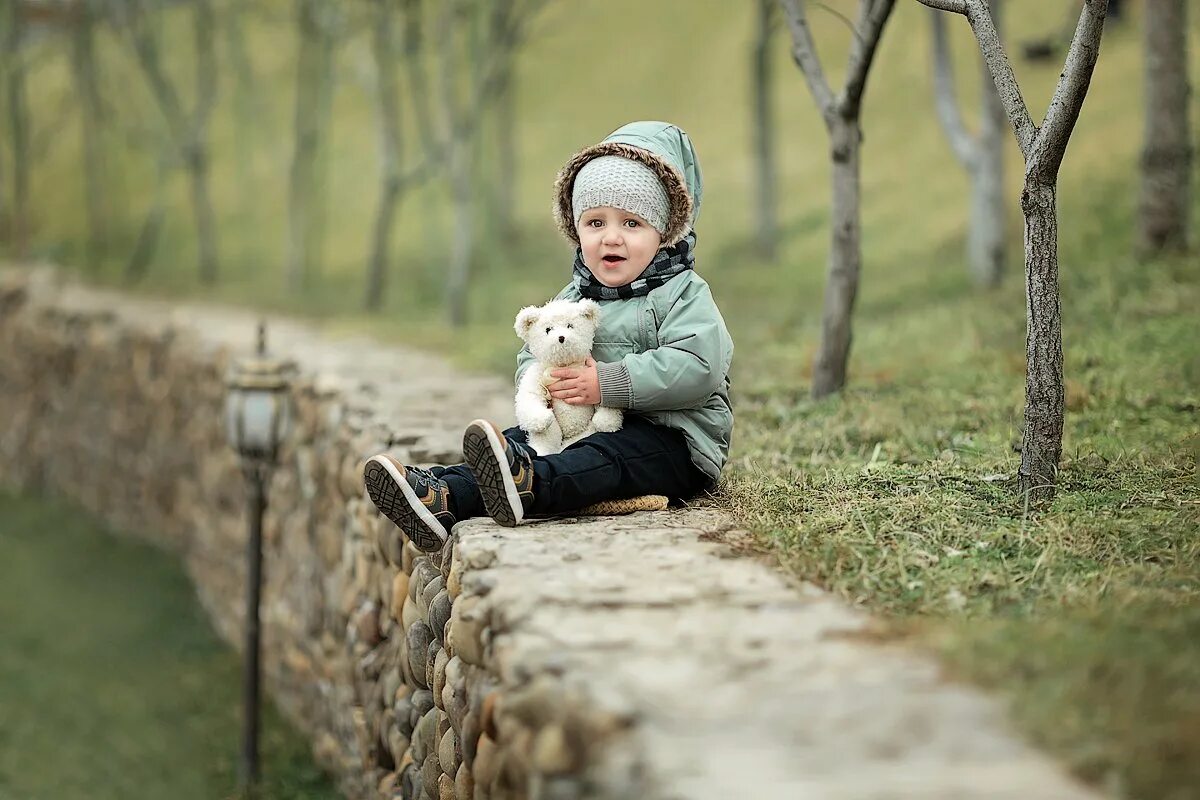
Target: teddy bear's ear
526, 319
590, 310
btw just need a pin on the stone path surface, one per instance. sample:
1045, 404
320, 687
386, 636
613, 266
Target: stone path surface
737, 684
416, 395
725, 679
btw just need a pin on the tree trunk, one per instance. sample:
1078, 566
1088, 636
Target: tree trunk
6, 59
985, 239
247, 106
325, 85
147, 242
460, 149
389, 155
1043, 149
845, 259
462, 233
18, 123
202, 209
300, 178
197, 159
314, 63
188, 133
841, 113
1164, 203
500, 49
86, 80
981, 155
1041, 442
506, 146
151, 227
764, 132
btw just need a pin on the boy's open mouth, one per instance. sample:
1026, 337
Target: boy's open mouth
613, 259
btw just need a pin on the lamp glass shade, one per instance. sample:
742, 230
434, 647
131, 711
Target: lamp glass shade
256, 420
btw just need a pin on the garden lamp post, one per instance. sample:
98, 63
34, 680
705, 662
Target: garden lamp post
257, 416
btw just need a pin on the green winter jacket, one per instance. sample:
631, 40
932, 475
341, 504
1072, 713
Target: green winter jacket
665, 355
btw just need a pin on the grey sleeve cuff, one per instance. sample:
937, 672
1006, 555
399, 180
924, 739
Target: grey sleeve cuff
616, 389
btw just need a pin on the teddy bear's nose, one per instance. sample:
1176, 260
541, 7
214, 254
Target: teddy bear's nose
562, 339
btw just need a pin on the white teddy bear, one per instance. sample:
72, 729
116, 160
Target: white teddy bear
559, 334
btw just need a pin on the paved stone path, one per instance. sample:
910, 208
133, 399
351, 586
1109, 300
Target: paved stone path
732, 681
739, 685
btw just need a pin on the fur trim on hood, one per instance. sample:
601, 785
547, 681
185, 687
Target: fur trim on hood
678, 223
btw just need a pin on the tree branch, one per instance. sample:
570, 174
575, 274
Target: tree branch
953, 6
872, 15
206, 69
965, 147
1006, 82
804, 51
1072, 87
833, 12
146, 49
383, 52
414, 55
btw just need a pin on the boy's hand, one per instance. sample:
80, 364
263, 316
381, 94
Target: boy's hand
576, 386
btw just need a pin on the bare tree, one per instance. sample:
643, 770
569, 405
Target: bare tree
1166, 168
384, 51
6, 57
502, 32
762, 81
460, 41
196, 150
150, 230
1043, 149
315, 20
248, 101
18, 127
459, 160
841, 115
86, 77
188, 132
982, 156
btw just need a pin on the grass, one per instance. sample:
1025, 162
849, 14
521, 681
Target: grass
899, 495
112, 682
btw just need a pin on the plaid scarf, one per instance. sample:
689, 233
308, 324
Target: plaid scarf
666, 264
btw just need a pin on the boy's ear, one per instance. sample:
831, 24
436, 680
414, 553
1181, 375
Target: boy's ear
590, 310
526, 319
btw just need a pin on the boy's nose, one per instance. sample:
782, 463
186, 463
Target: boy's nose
562, 339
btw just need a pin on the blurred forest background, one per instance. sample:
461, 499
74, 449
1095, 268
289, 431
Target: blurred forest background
386, 166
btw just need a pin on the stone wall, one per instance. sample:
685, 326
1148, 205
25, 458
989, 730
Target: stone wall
117, 405
632, 657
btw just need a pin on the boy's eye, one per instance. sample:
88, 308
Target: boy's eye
633, 223
592, 223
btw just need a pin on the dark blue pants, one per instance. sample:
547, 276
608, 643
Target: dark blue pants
641, 458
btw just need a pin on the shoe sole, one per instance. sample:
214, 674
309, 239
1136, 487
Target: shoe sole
396, 500
484, 453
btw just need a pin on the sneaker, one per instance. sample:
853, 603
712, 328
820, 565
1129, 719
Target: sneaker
504, 472
415, 499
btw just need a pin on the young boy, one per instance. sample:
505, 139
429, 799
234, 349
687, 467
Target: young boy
661, 353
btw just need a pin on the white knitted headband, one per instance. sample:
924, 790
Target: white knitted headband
621, 183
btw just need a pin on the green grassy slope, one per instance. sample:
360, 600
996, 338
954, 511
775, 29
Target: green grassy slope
684, 62
112, 682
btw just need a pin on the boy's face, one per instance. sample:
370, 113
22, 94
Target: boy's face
617, 245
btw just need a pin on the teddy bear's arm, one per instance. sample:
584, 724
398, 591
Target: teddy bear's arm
533, 402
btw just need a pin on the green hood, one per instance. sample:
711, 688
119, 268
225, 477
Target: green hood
659, 145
